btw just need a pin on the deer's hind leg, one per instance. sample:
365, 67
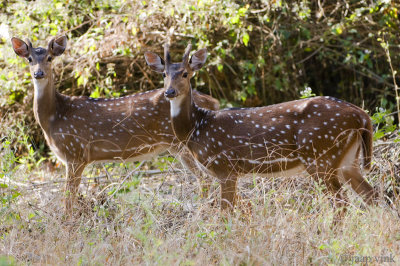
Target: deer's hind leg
330, 178
228, 192
74, 172
351, 173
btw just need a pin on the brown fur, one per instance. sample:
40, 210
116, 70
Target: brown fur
82, 130
321, 135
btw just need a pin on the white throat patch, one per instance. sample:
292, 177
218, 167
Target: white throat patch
39, 85
176, 105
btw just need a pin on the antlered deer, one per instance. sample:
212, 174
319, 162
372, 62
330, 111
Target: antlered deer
82, 130
322, 135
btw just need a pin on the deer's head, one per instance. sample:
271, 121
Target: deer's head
176, 75
39, 58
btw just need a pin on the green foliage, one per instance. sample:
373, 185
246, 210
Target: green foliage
260, 52
306, 93
7, 261
384, 122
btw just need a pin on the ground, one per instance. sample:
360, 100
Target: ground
154, 215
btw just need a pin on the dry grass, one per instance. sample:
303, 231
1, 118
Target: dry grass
161, 220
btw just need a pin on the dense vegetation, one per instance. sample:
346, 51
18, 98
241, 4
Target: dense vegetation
260, 52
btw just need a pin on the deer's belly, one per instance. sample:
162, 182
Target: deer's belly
99, 154
265, 167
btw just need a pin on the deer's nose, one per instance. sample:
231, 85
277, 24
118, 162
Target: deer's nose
170, 93
38, 74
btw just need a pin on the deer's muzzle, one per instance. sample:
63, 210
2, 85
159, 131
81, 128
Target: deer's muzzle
170, 93
38, 74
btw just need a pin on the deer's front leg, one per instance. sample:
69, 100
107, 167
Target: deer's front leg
228, 193
204, 180
74, 172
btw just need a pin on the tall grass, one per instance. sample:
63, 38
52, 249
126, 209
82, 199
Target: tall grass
158, 218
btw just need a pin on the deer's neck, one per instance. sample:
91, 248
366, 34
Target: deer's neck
182, 116
44, 102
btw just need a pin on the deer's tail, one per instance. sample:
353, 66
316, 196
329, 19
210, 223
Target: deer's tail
367, 137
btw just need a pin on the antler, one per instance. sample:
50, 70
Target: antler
186, 55
167, 56
29, 43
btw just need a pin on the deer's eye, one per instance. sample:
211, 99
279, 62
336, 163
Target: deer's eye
164, 75
49, 58
30, 59
185, 75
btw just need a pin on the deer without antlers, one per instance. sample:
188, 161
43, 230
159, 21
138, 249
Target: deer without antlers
82, 130
322, 136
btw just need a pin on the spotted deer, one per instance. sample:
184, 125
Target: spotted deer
82, 130
321, 136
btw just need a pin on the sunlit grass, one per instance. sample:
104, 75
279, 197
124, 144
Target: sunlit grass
161, 219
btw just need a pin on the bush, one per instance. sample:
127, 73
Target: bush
261, 52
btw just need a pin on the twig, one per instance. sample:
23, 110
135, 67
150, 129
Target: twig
85, 180
311, 55
120, 184
174, 33
396, 88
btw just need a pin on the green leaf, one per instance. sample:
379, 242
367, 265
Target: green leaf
246, 38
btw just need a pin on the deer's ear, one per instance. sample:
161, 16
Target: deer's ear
20, 47
57, 46
155, 62
198, 59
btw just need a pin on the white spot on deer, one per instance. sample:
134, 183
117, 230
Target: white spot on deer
287, 126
